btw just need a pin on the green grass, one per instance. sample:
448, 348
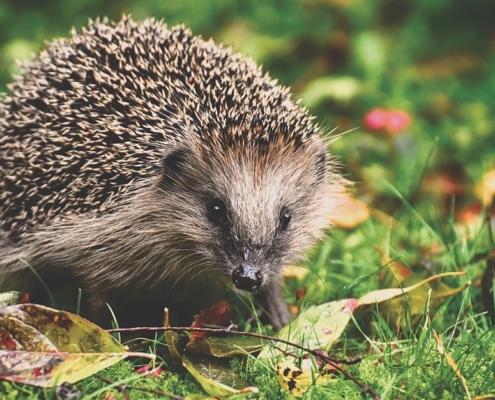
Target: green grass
401, 361
433, 60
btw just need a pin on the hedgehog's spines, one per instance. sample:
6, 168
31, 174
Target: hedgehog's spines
93, 113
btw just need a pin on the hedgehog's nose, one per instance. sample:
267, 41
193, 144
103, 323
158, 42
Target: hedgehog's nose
247, 277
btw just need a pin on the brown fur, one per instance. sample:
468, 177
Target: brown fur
144, 239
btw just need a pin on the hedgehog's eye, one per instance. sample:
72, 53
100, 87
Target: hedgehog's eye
284, 218
217, 212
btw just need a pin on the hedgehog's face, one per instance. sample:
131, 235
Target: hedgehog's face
248, 213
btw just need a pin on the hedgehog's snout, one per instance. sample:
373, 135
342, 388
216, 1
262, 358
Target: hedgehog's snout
247, 277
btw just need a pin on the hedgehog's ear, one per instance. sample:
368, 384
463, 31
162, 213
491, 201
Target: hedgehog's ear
173, 165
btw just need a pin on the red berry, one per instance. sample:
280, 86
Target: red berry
376, 119
398, 121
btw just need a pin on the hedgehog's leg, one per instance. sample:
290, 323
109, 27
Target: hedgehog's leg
273, 302
34, 266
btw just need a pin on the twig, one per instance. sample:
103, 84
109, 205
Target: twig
228, 331
285, 352
316, 353
122, 389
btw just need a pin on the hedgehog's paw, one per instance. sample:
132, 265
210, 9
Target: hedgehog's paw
275, 306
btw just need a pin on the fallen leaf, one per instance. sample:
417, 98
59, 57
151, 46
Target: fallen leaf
49, 369
301, 293
351, 213
216, 377
396, 303
379, 296
297, 380
217, 314
224, 346
44, 347
317, 327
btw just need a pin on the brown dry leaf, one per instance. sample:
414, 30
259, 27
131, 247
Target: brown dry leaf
450, 361
301, 293
218, 314
350, 214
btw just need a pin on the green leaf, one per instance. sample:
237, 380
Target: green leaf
215, 376
317, 327
224, 346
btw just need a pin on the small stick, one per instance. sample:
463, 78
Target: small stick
316, 353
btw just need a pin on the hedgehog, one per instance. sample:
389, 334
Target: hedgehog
152, 168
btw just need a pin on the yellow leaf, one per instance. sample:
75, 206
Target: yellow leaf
298, 380
350, 214
379, 296
47, 347
48, 369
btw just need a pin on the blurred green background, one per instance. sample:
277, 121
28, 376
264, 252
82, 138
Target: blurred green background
432, 59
